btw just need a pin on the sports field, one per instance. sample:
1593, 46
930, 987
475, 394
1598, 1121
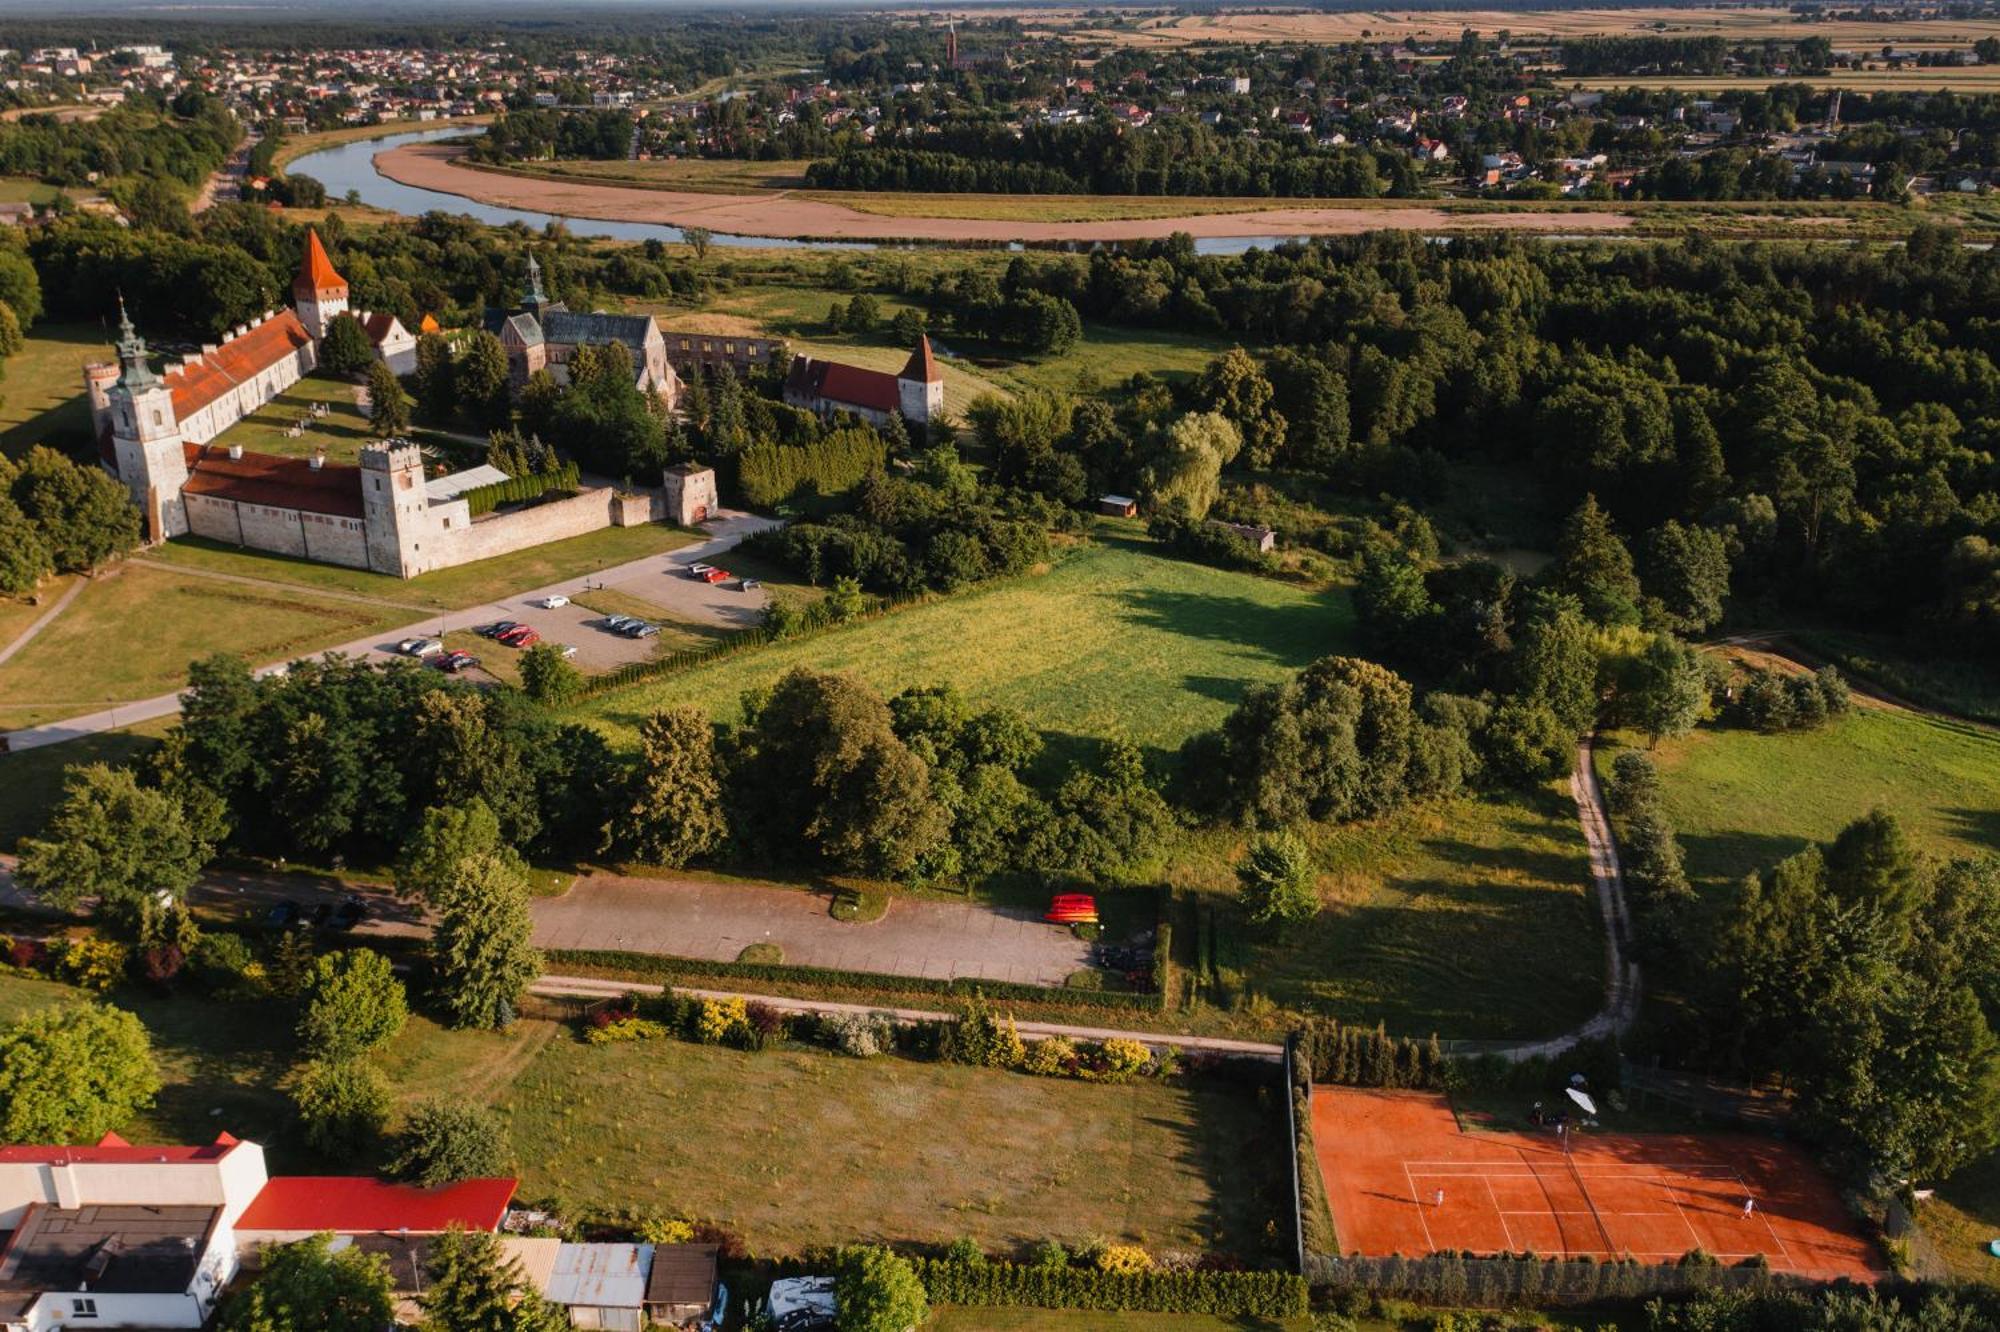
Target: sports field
1402, 1178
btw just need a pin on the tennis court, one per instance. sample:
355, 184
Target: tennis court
1401, 1178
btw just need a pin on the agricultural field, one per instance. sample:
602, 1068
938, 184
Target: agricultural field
132, 632
1526, 26
1740, 800
44, 401
1112, 641
1470, 918
1937, 78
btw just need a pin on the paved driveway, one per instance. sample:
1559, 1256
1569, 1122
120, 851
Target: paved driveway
717, 921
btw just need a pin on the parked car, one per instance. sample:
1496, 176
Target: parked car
643, 630
320, 914
697, 570
522, 637
749, 585
617, 623
715, 576
497, 628
350, 913
419, 647
550, 603
282, 915
456, 662
565, 650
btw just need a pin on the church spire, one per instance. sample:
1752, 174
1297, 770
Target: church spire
134, 371
532, 296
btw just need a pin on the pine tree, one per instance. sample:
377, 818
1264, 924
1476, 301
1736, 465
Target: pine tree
473, 1287
481, 946
1593, 565
388, 405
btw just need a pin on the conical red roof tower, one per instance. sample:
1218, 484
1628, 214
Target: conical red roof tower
317, 279
922, 366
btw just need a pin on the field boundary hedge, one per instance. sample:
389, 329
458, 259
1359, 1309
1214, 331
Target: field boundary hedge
1457, 1280
684, 970
988, 1285
515, 489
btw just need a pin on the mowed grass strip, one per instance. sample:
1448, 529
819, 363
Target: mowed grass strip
133, 631
1741, 801
1112, 642
446, 589
795, 1148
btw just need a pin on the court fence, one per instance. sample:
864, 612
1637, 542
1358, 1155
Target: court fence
1524, 1280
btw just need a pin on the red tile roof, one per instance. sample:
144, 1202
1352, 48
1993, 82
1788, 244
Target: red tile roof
843, 384
316, 272
359, 1204
282, 483
200, 383
114, 1150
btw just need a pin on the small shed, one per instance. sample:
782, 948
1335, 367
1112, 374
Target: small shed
602, 1285
681, 1290
1264, 539
1118, 506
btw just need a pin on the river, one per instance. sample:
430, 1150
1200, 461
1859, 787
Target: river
350, 168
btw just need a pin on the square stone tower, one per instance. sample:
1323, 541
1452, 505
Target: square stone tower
395, 511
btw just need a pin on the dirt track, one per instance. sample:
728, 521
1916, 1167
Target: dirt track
781, 216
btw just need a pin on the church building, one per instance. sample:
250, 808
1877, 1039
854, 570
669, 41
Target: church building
541, 334
826, 387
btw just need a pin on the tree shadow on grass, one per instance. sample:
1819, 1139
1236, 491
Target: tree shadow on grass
1294, 633
1980, 826
1719, 859
222, 1065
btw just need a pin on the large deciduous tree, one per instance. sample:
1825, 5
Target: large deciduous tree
129, 847
74, 1074
346, 348
353, 1004
675, 810
307, 1286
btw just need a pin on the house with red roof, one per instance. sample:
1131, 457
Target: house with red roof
915, 393
121, 1236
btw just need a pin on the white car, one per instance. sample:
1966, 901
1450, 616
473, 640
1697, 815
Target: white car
697, 570
419, 647
550, 603
565, 650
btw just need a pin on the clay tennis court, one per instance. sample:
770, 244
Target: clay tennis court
1385, 1156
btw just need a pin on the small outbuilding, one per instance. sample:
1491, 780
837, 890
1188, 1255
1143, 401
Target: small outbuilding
602, 1285
1118, 506
1264, 539
691, 494
681, 1290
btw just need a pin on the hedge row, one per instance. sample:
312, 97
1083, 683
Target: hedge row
685, 971
515, 489
768, 475
1526, 1280
1368, 1057
1242, 1294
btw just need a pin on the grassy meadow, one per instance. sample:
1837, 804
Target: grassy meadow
1741, 801
43, 400
891, 1150
1112, 641
134, 629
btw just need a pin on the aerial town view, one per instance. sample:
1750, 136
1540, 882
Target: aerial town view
1177, 666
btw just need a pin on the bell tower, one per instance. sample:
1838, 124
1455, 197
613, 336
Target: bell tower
318, 292
146, 437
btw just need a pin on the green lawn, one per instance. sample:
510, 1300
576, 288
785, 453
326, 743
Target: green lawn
16, 614
26, 189
801, 1148
1741, 801
1906, 668
43, 401
1963, 1216
1472, 918
31, 782
1112, 642
341, 432
132, 633
446, 589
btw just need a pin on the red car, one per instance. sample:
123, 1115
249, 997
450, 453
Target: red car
715, 576
520, 638
1072, 909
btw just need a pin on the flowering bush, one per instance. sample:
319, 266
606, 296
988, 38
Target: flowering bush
1123, 1258
1118, 1059
1051, 1058
93, 963
626, 1029
717, 1018
665, 1230
28, 954
862, 1035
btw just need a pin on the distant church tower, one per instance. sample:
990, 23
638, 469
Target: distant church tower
920, 388
146, 437
318, 292
533, 299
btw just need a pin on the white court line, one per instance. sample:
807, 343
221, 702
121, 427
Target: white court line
1682, 1211
1411, 1181
1505, 1229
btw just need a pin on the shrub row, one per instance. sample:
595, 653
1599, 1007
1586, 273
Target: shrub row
682, 971
768, 475
515, 489
1346, 1056
1241, 1294
1517, 1280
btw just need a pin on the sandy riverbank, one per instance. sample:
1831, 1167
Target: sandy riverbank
781, 215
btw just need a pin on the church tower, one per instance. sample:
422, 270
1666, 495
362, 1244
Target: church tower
318, 293
533, 299
920, 388
146, 437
